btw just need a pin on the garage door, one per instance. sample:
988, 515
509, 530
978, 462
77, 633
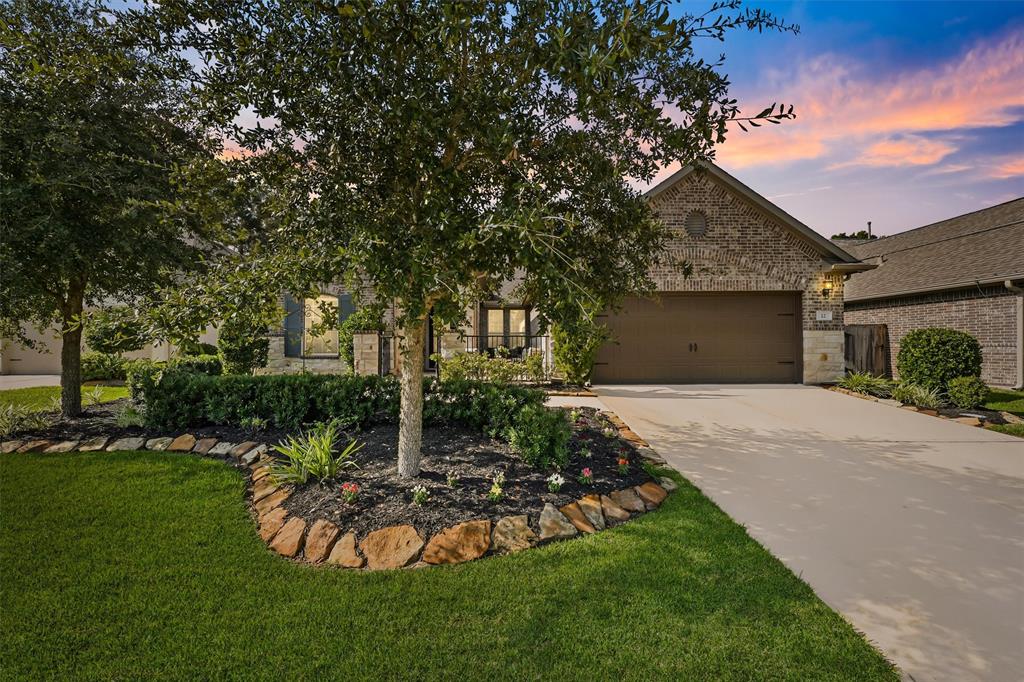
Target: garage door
698, 338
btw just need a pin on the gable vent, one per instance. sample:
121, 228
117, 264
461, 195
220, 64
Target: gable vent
696, 224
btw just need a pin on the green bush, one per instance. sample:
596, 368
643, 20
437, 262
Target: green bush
174, 398
868, 384
967, 392
203, 364
197, 348
540, 436
113, 330
241, 348
369, 318
102, 366
913, 394
480, 367
934, 356
575, 349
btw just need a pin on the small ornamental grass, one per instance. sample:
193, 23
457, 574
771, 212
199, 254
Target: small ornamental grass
312, 454
15, 417
867, 384
912, 394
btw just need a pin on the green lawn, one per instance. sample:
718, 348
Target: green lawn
147, 565
40, 398
1006, 400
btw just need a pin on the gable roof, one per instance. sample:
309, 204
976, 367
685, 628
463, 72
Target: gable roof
981, 247
823, 245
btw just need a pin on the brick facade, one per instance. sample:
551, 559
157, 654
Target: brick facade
744, 249
987, 313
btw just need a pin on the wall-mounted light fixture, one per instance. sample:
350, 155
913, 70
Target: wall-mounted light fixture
826, 287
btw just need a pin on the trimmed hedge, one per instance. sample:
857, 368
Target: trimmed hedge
934, 356
176, 399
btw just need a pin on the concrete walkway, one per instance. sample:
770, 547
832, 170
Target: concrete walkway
8, 381
911, 526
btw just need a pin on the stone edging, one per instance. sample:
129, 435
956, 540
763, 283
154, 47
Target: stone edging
397, 546
967, 420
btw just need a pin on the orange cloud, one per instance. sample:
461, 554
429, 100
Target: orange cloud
1008, 169
842, 109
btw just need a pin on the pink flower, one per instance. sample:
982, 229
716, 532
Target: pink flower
586, 472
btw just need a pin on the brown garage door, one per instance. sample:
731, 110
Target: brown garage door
694, 338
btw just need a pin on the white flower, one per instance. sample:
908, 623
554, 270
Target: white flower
555, 479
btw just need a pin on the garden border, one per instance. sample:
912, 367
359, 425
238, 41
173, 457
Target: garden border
967, 417
395, 546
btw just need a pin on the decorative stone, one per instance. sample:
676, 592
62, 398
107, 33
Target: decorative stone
63, 446
460, 543
553, 525
260, 473
344, 553
127, 444
9, 446
183, 443
320, 540
93, 444
288, 541
204, 445
652, 494
969, 421
668, 484
253, 456
613, 513
651, 456
628, 499
34, 446
590, 505
242, 448
158, 444
263, 487
575, 515
392, 547
928, 411
271, 522
222, 448
272, 500
512, 534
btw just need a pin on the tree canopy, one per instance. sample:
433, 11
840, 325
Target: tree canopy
435, 150
95, 135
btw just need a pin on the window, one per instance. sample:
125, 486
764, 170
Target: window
320, 326
506, 327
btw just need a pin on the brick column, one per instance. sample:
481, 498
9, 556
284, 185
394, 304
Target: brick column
366, 352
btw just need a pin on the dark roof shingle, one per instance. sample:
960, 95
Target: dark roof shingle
985, 245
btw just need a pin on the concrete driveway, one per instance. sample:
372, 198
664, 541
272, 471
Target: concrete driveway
911, 526
9, 381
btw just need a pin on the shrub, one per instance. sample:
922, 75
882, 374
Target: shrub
189, 348
312, 454
934, 356
15, 418
540, 436
369, 318
203, 364
868, 384
913, 394
967, 392
241, 348
114, 330
536, 371
102, 366
480, 367
575, 349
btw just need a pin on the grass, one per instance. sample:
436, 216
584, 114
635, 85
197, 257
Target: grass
1005, 400
1011, 429
40, 398
147, 565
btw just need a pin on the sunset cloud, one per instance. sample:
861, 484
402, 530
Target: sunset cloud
1008, 169
850, 116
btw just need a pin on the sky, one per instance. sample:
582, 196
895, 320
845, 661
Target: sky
907, 112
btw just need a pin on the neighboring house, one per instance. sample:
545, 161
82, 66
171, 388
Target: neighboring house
964, 273
764, 303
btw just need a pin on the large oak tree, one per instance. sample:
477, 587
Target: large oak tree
437, 149
93, 137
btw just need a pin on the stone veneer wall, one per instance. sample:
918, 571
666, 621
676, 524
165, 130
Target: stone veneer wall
987, 313
746, 250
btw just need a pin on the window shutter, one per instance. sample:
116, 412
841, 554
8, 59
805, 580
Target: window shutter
345, 307
293, 324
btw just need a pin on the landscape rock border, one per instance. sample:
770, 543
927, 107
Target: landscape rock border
323, 542
965, 417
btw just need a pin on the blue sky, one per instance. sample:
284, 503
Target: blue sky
908, 112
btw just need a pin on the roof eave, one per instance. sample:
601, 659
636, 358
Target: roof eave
940, 287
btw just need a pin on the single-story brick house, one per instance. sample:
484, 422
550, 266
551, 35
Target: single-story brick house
964, 273
764, 303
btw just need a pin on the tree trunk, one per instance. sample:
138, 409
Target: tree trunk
71, 357
410, 422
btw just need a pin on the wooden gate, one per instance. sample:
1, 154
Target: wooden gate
867, 349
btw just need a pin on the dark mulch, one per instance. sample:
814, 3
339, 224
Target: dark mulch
385, 500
